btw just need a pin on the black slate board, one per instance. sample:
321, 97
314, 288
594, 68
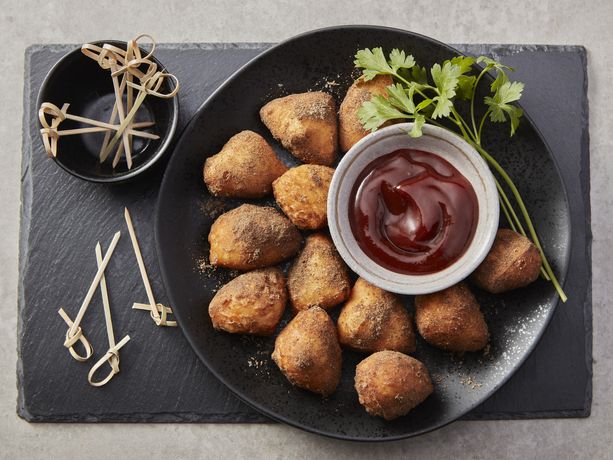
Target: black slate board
161, 378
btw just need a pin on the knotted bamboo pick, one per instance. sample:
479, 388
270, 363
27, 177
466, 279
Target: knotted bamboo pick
75, 332
51, 134
50, 141
160, 308
112, 355
158, 313
109, 60
130, 60
151, 87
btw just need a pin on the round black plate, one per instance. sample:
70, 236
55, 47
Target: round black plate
323, 60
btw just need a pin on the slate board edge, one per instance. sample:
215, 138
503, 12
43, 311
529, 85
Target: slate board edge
585, 169
24, 229
25, 210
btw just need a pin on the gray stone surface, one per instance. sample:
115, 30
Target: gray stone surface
546, 22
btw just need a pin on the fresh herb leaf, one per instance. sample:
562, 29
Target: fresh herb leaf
465, 87
418, 123
463, 62
398, 97
500, 104
500, 80
399, 60
373, 62
377, 111
419, 74
446, 80
493, 64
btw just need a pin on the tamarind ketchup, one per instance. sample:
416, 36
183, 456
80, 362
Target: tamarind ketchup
412, 212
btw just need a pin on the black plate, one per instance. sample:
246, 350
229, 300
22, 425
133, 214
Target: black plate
323, 59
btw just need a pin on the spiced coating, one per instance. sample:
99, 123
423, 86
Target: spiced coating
252, 303
305, 124
390, 384
513, 262
451, 319
374, 320
350, 129
251, 237
245, 167
302, 194
318, 276
307, 352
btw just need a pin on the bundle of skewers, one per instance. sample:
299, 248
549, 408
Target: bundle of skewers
134, 76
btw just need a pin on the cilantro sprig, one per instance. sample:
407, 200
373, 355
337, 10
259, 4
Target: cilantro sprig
433, 96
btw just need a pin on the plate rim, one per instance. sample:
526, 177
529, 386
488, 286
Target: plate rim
238, 393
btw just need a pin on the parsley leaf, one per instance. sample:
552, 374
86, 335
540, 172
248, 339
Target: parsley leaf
446, 80
398, 97
419, 74
466, 85
399, 60
418, 123
463, 62
373, 62
500, 106
377, 111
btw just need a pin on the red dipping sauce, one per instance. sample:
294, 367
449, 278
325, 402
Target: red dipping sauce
412, 212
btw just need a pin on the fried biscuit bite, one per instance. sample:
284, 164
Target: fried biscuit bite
451, 319
390, 384
245, 167
308, 353
318, 276
251, 237
513, 262
305, 124
374, 320
302, 194
350, 130
252, 303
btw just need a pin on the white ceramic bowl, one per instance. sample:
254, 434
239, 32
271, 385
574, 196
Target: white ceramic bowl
436, 140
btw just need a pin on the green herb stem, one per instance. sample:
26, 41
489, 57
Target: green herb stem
526, 216
472, 104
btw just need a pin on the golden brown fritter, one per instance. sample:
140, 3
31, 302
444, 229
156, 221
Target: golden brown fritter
390, 384
302, 194
252, 303
251, 237
305, 124
513, 262
374, 320
244, 168
350, 129
308, 353
451, 319
318, 276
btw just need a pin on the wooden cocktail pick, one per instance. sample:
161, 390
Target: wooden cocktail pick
112, 355
51, 134
74, 333
158, 312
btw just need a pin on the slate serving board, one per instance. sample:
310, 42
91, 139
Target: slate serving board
161, 379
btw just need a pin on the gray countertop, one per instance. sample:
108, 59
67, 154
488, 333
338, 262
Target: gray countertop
547, 22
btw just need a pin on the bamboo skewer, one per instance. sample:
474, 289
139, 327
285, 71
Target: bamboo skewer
158, 316
112, 355
75, 332
97, 129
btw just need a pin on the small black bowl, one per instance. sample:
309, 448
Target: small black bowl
79, 80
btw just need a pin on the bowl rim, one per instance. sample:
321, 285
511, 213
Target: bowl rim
157, 155
400, 283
